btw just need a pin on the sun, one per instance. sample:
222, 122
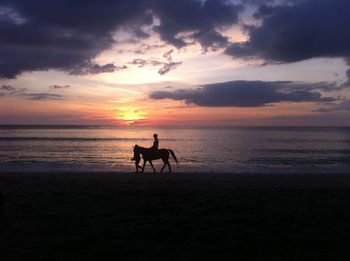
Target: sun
130, 115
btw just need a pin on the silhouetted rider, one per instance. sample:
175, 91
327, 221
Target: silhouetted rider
155, 145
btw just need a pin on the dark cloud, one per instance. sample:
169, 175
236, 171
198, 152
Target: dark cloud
42, 96
165, 66
167, 55
343, 106
139, 62
299, 31
61, 35
319, 86
55, 86
258, 2
8, 90
264, 6
200, 17
83, 69
347, 83
144, 48
211, 39
68, 36
140, 34
142, 62
245, 94
155, 62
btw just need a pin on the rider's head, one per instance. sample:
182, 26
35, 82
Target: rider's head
155, 135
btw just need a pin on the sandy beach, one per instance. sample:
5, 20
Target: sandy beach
124, 216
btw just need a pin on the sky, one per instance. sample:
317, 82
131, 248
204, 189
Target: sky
175, 63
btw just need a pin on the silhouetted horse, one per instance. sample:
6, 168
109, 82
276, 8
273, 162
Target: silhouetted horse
149, 155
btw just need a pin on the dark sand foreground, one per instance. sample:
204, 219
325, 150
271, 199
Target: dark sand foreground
109, 216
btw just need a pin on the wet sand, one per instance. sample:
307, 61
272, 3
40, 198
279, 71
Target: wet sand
115, 216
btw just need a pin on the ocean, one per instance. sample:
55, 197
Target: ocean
227, 149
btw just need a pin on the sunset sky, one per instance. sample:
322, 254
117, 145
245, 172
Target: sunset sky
183, 62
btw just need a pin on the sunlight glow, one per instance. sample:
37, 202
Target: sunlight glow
130, 115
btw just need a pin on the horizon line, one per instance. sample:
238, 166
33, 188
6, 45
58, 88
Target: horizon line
173, 126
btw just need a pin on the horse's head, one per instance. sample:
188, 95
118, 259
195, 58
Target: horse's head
136, 149
137, 158
136, 153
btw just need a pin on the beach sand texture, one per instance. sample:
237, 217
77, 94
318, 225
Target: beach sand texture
101, 216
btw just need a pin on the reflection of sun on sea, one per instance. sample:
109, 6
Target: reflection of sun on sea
130, 115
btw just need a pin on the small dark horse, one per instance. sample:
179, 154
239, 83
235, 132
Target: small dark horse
149, 155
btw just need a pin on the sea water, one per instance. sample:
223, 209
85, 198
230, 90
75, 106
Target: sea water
204, 149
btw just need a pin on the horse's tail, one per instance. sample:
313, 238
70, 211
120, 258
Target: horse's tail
173, 154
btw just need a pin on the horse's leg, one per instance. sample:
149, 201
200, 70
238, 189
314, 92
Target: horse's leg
161, 171
137, 165
154, 170
167, 161
143, 167
169, 167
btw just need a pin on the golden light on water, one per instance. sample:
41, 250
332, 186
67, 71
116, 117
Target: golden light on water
130, 115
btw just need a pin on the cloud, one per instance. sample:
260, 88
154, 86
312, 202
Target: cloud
199, 18
59, 86
347, 83
42, 96
245, 94
343, 106
211, 39
144, 48
296, 32
66, 36
167, 55
8, 90
139, 62
46, 41
166, 66
11, 16
95, 69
